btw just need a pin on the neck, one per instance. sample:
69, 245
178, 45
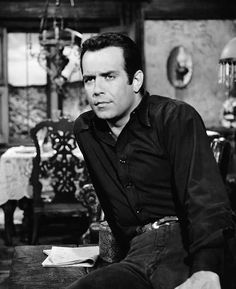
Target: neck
115, 130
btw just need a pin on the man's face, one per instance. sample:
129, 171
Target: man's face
106, 83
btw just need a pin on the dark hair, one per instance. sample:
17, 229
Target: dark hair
132, 56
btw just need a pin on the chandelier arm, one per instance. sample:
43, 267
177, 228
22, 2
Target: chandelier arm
43, 22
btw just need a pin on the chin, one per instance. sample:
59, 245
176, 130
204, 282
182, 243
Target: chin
104, 115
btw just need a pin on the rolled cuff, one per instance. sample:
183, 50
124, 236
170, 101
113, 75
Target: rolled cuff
210, 259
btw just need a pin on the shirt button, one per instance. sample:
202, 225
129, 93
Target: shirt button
129, 186
139, 209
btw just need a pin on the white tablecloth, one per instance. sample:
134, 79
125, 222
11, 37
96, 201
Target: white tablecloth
15, 170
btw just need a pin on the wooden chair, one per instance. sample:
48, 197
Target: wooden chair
58, 175
222, 152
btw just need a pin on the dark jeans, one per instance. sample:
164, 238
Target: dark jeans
156, 259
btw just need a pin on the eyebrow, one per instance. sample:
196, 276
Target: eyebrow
101, 74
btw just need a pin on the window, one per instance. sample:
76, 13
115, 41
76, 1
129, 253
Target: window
26, 86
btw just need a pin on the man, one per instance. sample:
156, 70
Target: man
155, 175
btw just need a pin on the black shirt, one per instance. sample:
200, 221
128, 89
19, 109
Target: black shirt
161, 164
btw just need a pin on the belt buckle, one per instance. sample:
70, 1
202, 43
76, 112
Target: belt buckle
155, 225
164, 221
159, 223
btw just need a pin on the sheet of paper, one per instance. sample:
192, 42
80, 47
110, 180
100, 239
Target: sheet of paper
71, 256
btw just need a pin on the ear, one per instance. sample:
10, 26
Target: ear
137, 81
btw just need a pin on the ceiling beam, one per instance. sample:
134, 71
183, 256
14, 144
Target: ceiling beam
25, 16
23, 10
195, 9
31, 25
85, 15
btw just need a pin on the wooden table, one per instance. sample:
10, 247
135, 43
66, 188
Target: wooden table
27, 271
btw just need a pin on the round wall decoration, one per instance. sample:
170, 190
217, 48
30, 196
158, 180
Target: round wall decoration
179, 67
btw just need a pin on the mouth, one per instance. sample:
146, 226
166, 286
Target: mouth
101, 103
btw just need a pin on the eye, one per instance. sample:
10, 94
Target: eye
89, 79
110, 77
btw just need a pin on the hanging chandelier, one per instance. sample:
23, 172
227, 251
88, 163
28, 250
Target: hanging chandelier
54, 38
227, 77
227, 62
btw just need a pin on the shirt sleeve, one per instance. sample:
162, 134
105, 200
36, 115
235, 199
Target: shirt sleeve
198, 186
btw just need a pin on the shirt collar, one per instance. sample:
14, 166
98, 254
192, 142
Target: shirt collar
143, 110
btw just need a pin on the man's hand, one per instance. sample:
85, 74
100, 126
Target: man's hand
201, 280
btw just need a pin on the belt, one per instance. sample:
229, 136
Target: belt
167, 220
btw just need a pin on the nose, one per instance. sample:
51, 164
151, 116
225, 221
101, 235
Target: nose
98, 86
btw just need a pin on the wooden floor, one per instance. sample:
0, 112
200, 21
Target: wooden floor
54, 233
